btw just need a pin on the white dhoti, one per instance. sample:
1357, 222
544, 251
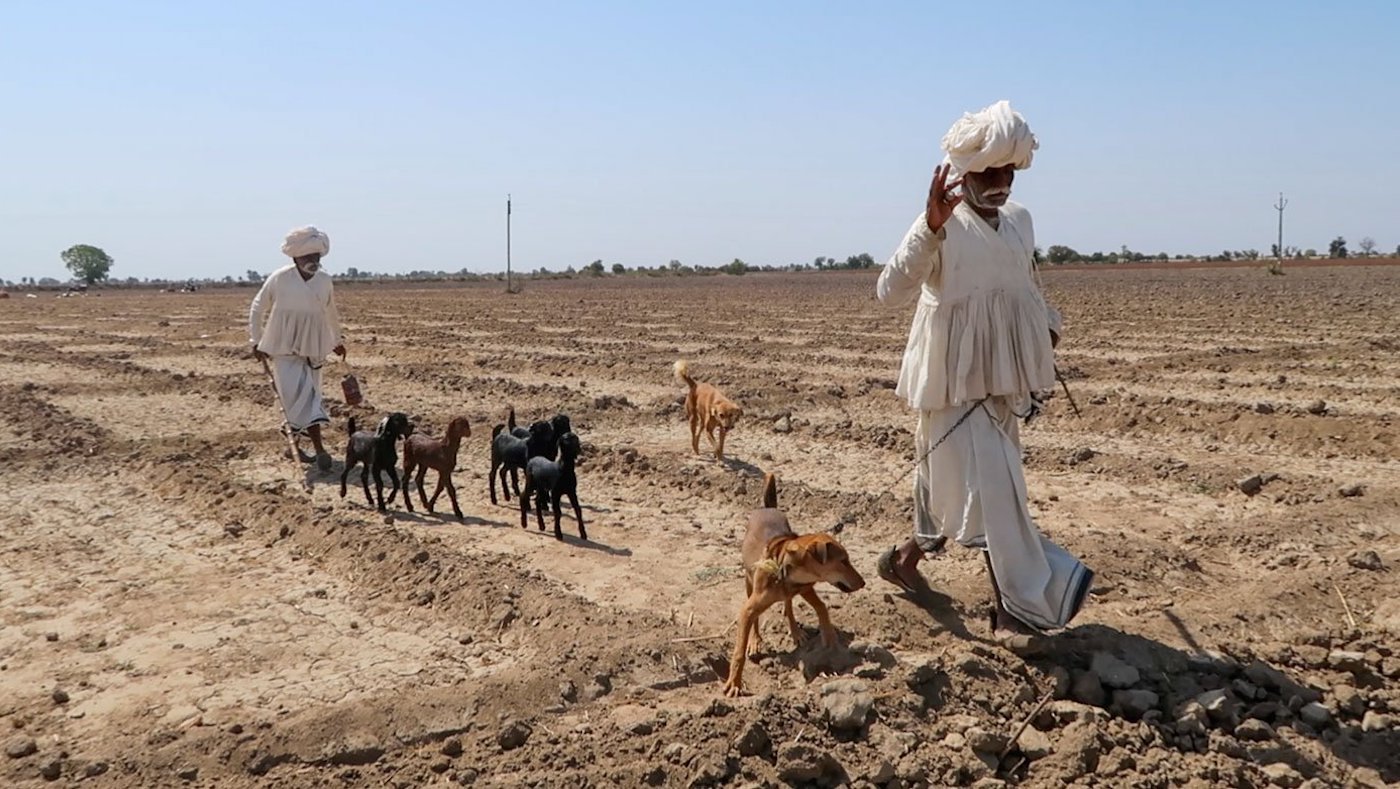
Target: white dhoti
298, 383
972, 489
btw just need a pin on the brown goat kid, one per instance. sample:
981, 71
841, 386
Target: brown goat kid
423, 452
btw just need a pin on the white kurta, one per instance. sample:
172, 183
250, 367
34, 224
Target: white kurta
296, 322
980, 342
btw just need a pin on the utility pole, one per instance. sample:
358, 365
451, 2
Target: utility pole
508, 242
1282, 204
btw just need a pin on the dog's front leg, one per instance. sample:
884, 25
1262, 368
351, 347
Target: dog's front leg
753, 606
719, 450
795, 630
823, 618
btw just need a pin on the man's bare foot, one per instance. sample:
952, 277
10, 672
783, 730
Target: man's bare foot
1004, 624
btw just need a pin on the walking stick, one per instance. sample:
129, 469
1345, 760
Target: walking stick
1072, 404
286, 428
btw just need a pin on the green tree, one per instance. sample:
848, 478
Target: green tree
736, 267
618, 268
1338, 248
88, 263
1060, 254
861, 261
595, 268
253, 276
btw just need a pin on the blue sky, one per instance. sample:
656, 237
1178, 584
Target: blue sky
187, 138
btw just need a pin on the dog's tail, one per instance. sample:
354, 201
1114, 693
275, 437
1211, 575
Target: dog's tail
682, 370
496, 431
350, 427
770, 491
510, 417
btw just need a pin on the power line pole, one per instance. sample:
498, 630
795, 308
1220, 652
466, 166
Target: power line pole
508, 242
1282, 204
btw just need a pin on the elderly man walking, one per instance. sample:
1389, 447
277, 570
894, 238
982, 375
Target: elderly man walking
981, 343
293, 323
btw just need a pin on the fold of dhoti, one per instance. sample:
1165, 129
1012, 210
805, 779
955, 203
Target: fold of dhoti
298, 385
972, 488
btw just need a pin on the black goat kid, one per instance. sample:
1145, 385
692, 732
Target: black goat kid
510, 453
377, 452
550, 481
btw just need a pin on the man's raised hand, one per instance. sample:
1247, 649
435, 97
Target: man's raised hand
941, 201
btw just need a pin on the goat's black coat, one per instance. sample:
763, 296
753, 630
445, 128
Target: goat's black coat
559, 423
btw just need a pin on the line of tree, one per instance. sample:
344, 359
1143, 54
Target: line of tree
91, 265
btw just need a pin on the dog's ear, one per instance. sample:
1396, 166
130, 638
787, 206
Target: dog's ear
820, 551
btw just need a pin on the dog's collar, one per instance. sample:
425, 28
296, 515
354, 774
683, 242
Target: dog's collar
772, 552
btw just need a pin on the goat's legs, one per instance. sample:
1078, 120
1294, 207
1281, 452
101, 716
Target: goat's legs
407, 488
525, 503
422, 496
436, 492
364, 480
451, 494
541, 505
394, 491
378, 489
578, 513
344, 475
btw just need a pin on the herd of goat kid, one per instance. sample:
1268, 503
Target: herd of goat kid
546, 451
778, 564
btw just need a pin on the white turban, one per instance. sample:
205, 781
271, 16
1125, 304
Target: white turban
306, 241
994, 137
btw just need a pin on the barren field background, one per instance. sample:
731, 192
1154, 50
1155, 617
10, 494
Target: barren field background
175, 610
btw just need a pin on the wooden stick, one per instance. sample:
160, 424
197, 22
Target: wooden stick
1020, 729
690, 623
290, 436
1345, 607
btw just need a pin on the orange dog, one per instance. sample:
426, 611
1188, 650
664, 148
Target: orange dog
708, 410
779, 565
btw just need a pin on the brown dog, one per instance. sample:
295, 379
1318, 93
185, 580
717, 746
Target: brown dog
708, 410
778, 565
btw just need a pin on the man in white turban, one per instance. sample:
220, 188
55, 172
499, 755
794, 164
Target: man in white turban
981, 343
294, 324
